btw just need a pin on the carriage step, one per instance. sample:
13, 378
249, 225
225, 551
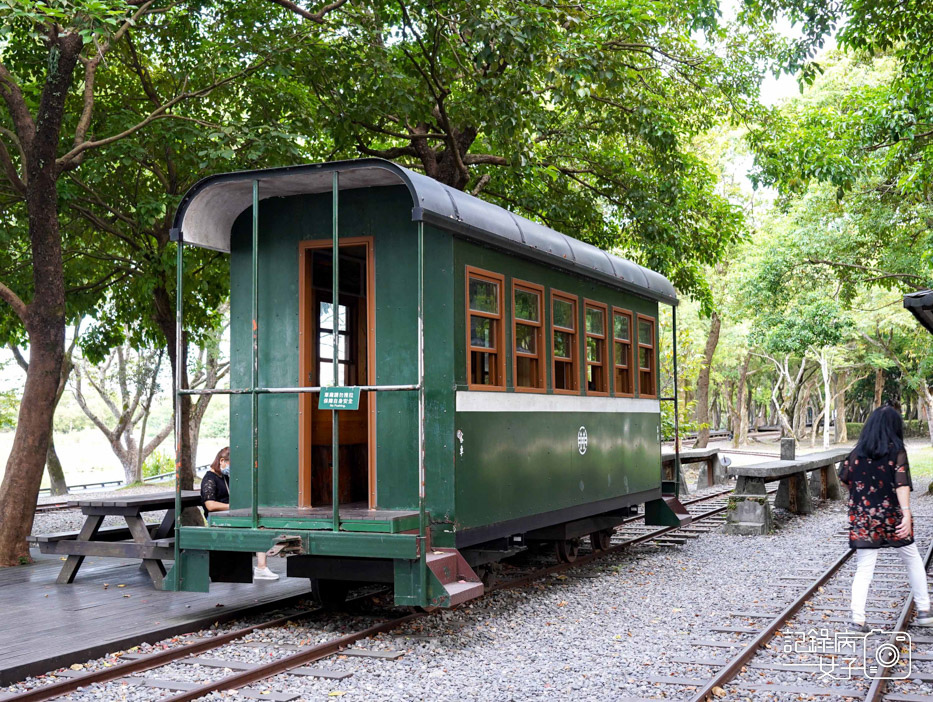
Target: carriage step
455, 574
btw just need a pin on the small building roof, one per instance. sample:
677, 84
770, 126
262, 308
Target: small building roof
921, 306
208, 210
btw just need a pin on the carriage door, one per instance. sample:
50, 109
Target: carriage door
352, 367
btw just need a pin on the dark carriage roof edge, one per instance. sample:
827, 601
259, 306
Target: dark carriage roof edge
207, 212
920, 305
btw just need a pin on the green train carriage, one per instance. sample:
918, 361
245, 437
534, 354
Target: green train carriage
508, 375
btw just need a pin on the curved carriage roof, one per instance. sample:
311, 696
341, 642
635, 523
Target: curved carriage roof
208, 210
921, 306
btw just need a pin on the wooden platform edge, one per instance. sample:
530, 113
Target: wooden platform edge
21, 671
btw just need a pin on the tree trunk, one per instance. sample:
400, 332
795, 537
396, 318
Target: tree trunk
842, 431
703, 418
164, 313
879, 387
56, 474
827, 397
740, 432
44, 316
928, 401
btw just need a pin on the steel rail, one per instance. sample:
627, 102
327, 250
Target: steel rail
328, 648
294, 660
588, 558
733, 667
877, 689
155, 660
161, 658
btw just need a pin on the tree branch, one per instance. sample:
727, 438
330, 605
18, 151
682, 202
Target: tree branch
10, 169
14, 301
159, 113
317, 17
878, 275
12, 95
18, 355
489, 159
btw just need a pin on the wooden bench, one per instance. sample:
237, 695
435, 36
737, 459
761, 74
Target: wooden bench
152, 543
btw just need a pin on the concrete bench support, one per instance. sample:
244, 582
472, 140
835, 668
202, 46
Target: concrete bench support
825, 485
793, 491
711, 473
749, 512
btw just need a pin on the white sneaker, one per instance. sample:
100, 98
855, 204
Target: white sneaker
264, 574
923, 619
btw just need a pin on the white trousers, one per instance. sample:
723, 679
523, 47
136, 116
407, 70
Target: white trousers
865, 569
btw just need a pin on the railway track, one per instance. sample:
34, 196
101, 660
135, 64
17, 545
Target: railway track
248, 678
768, 653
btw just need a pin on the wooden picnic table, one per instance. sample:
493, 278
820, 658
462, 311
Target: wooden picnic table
152, 543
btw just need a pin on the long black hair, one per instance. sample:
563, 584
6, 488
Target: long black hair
882, 434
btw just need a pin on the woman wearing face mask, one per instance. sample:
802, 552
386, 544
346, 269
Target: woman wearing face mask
215, 496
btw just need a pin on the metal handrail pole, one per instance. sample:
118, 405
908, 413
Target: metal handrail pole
254, 364
179, 271
335, 360
676, 407
421, 417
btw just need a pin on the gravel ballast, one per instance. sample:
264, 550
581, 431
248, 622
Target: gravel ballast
600, 631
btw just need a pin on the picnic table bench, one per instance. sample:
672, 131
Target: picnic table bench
750, 512
152, 543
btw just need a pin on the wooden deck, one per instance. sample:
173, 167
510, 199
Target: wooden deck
48, 626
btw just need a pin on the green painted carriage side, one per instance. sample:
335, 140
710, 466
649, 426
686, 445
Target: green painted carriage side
514, 464
518, 464
384, 214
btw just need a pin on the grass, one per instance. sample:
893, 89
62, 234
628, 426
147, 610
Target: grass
921, 462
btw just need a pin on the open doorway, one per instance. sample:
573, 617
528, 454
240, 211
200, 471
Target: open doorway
353, 366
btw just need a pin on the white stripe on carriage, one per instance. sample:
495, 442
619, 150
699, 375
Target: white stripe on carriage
473, 401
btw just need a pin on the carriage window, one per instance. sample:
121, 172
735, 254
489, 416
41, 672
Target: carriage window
484, 329
622, 350
564, 329
597, 378
647, 381
326, 345
528, 335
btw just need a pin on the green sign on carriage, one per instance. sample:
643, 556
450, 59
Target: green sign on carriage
337, 398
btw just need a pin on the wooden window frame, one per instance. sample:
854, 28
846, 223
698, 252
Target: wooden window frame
542, 351
602, 307
499, 322
654, 361
631, 352
575, 345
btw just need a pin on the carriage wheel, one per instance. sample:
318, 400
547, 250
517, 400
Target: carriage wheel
330, 594
567, 550
600, 540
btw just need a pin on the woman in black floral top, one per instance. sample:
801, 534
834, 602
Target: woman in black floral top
878, 477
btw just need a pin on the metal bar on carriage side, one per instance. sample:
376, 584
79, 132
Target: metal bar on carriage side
179, 350
335, 359
254, 365
298, 390
423, 565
